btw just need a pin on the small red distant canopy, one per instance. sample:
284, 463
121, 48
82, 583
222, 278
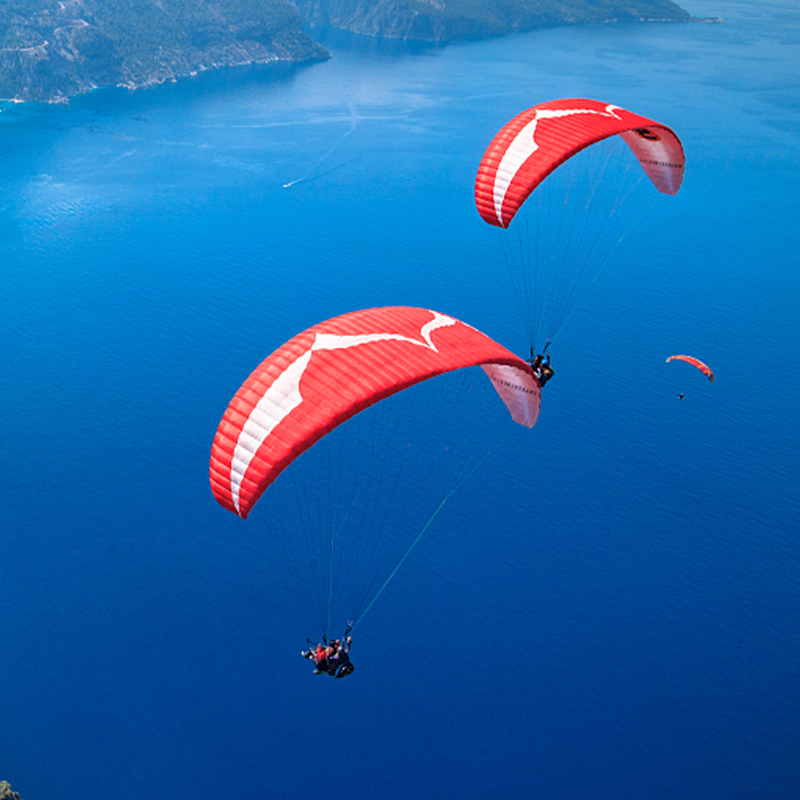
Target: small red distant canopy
539, 140
330, 372
695, 362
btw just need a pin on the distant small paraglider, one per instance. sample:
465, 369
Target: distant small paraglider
695, 362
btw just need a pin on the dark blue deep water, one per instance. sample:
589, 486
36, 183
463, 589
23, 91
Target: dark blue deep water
611, 610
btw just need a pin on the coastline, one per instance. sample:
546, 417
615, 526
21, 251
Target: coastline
56, 76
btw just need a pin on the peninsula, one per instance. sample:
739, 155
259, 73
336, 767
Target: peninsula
51, 50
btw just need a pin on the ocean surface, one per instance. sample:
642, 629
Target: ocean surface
608, 608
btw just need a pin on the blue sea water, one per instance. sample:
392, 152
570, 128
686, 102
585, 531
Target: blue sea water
611, 610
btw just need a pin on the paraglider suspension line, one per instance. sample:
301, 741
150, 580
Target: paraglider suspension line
450, 492
330, 570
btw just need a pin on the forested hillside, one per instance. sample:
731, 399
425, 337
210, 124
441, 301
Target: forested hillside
444, 20
51, 50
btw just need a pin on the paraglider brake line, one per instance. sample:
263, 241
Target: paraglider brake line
544, 350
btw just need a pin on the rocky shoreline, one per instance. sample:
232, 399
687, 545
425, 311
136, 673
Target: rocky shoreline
6, 793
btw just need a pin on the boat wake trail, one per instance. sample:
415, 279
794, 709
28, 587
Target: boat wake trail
311, 173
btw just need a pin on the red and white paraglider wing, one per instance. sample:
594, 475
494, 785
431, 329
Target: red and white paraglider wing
695, 362
537, 141
327, 374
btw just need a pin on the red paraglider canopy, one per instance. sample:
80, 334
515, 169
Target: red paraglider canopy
330, 372
695, 362
538, 140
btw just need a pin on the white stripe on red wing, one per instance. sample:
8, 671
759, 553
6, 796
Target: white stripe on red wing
524, 145
283, 395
